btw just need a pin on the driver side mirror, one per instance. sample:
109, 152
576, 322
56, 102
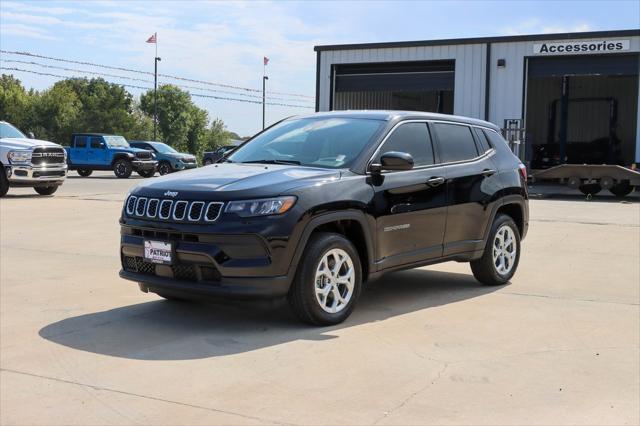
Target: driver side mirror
31, 135
393, 160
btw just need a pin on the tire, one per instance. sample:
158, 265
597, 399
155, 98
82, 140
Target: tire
621, 189
46, 190
318, 308
122, 169
84, 172
590, 188
164, 168
4, 182
147, 173
485, 269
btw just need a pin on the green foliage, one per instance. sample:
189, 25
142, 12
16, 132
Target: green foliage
95, 105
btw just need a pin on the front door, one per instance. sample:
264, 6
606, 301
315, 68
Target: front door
410, 206
78, 151
97, 152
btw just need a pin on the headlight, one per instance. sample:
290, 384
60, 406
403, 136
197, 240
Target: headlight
262, 207
19, 157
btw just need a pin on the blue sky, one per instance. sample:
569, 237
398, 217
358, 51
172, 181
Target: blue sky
224, 42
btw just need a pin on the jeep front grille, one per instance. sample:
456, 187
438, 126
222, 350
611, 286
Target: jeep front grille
173, 210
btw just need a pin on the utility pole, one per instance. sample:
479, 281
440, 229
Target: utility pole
264, 84
155, 95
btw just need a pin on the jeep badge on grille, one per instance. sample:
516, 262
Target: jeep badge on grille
171, 194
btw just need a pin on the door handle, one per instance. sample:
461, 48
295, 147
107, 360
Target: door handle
435, 181
488, 172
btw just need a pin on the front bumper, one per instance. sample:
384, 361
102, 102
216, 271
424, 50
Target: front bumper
30, 175
184, 166
203, 264
140, 165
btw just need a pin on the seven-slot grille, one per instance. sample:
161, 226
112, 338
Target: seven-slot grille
47, 156
143, 155
173, 210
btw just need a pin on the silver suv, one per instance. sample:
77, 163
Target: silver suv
28, 162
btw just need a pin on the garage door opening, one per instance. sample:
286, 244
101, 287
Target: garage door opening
581, 110
413, 86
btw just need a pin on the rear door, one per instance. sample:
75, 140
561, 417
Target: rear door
472, 183
410, 205
78, 151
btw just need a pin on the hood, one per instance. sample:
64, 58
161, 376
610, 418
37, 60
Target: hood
226, 181
180, 156
25, 143
129, 149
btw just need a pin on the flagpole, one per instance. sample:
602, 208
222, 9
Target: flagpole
264, 83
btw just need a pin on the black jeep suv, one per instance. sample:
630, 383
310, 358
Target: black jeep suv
314, 206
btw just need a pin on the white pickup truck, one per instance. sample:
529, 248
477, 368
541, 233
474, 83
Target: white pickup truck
33, 163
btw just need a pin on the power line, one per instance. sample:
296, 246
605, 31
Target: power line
102, 74
34, 55
199, 95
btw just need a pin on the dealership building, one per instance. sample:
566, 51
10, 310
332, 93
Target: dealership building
573, 95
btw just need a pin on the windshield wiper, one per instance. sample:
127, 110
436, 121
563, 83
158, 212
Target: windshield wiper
294, 162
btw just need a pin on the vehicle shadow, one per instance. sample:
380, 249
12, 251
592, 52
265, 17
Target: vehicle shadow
106, 177
164, 330
562, 193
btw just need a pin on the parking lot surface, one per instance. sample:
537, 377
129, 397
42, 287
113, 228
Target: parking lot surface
559, 345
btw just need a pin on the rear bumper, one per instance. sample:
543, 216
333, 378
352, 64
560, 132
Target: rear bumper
29, 175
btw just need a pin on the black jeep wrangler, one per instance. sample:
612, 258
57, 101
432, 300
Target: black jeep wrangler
314, 206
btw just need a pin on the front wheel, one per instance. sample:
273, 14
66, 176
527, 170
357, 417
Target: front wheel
147, 173
122, 169
46, 190
84, 172
501, 254
328, 281
164, 168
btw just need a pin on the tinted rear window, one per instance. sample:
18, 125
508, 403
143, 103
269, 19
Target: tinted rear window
495, 138
456, 142
412, 138
81, 142
484, 142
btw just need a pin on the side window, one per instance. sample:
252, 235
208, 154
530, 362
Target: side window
484, 142
456, 142
80, 142
95, 143
495, 138
412, 138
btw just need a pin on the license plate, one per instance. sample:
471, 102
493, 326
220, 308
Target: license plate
158, 252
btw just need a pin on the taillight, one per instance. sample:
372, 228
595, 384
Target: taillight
523, 171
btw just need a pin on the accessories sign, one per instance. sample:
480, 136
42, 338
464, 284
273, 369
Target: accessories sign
580, 47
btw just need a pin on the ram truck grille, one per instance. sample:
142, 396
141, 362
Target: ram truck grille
47, 156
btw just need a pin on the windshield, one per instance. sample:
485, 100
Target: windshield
330, 142
8, 131
116, 142
163, 148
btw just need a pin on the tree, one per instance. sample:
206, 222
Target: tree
174, 114
15, 102
55, 114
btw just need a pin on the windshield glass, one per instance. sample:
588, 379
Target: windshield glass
163, 148
330, 142
116, 142
8, 131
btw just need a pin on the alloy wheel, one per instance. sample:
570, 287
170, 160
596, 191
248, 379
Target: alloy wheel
334, 281
505, 250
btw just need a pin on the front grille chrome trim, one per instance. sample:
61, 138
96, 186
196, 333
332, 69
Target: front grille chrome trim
162, 204
141, 201
191, 206
188, 211
175, 208
152, 201
131, 202
209, 206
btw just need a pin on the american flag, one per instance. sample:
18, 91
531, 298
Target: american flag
152, 39
266, 60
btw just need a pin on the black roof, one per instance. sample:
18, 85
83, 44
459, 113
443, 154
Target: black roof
402, 115
92, 134
479, 40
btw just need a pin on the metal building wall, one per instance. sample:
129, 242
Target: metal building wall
469, 66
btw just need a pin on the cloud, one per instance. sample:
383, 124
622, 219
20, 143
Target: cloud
26, 31
537, 26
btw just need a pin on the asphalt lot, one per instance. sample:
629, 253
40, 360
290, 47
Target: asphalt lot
558, 345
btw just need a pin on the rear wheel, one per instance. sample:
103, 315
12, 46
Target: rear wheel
621, 189
46, 190
590, 188
164, 168
122, 169
147, 173
4, 182
501, 255
328, 281
84, 172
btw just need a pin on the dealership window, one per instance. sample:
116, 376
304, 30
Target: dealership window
411, 138
456, 142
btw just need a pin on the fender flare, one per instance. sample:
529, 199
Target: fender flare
509, 200
122, 155
315, 222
